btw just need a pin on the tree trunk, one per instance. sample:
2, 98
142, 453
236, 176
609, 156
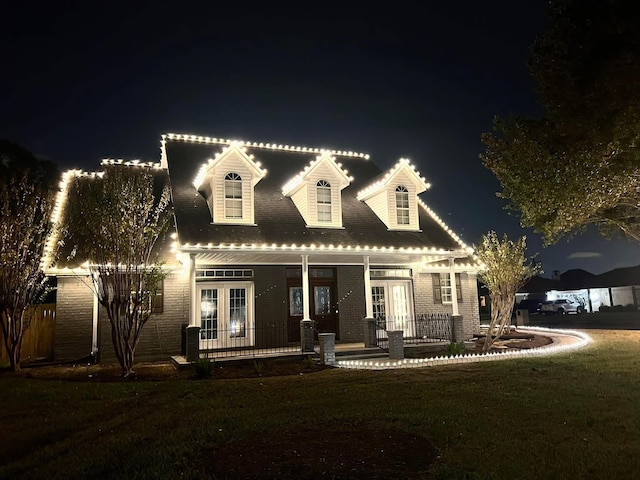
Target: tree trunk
13, 332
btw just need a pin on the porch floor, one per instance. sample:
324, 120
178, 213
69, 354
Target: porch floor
346, 351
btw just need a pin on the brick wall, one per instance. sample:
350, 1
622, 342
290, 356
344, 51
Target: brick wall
162, 335
351, 305
74, 319
468, 307
270, 289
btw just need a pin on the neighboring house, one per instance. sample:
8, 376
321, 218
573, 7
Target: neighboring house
269, 235
618, 287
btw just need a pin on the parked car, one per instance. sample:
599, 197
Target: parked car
560, 306
531, 304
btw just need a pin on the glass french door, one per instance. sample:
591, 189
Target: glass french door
226, 315
392, 302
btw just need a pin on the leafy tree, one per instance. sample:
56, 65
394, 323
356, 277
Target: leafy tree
25, 208
579, 163
505, 270
113, 221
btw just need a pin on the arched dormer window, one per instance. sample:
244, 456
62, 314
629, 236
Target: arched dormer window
323, 190
232, 195
402, 205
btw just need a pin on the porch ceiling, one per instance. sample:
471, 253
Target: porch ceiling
259, 257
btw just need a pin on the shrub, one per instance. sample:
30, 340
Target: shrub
308, 363
454, 349
604, 308
204, 367
258, 366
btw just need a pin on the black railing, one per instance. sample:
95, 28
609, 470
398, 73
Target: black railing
264, 341
423, 328
433, 327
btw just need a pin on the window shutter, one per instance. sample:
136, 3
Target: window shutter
458, 288
437, 293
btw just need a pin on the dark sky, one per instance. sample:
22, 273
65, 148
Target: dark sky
87, 80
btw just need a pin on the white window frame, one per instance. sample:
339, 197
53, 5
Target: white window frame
446, 291
403, 215
225, 338
324, 201
233, 196
398, 308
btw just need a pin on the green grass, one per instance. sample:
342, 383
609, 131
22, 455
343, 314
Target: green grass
572, 415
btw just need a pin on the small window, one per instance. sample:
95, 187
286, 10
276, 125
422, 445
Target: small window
324, 201
402, 205
232, 196
442, 291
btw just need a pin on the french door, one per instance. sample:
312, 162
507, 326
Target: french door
392, 302
226, 314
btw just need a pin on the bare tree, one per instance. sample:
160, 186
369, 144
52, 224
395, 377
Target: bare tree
505, 270
25, 225
113, 221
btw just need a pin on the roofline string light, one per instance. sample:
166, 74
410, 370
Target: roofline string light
212, 162
60, 202
367, 191
268, 146
300, 177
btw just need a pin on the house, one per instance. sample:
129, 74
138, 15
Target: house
268, 236
619, 287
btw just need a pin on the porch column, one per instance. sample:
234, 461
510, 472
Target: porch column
368, 301
454, 295
95, 353
306, 324
193, 330
306, 312
193, 294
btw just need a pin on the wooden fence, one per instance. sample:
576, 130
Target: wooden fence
37, 343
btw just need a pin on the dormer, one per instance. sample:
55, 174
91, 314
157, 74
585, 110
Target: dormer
316, 192
393, 197
228, 182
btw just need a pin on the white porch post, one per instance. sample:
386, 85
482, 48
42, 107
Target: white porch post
454, 295
193, 294
94, 334
306, 311
368, 301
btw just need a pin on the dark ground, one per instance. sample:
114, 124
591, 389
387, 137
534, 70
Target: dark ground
352, 451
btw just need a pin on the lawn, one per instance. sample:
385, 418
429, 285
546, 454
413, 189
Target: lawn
574, 415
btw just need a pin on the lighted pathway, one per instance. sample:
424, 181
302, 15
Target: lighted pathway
563, 341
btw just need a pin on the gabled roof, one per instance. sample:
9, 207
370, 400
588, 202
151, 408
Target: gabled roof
212, 163
380, 182
620, 277
577, 278
325, 158
71, 257
277, 220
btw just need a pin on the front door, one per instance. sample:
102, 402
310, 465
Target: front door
323, 302
226, 315
324, 308
392, 305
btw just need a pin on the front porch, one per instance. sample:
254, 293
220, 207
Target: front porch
425, 331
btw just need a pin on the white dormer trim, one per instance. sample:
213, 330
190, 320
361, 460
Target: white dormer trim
401, 183
324, 173
212, 178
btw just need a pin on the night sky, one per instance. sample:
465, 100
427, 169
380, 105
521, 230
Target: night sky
84, 81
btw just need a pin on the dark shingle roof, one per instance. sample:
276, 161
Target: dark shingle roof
277, 218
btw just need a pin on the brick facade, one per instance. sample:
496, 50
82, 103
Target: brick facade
351, 308
468, 307
162, 335
74, 319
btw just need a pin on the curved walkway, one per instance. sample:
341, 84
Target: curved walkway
563, 341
